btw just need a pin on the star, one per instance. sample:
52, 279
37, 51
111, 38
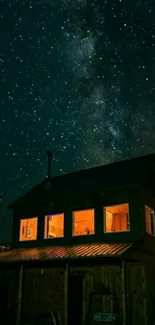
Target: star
76, 78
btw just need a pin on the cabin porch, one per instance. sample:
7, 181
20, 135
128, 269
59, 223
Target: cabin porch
38, 287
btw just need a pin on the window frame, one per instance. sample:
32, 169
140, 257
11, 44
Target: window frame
81, 210
104, 216
28, 218
54, 214
151, 209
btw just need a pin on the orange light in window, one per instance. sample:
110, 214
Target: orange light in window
150, 220
54, 226
28, 229
117, 218
147, 218
83, 222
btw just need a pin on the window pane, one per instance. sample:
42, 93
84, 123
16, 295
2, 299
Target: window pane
54, 226
150, 220
147, 219
117, 218
83, 222
28, 229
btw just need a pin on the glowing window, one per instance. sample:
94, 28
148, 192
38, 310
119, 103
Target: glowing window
54, 226
117, 218
83, 222
150, 220
28, 229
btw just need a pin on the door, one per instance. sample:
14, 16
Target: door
75, 300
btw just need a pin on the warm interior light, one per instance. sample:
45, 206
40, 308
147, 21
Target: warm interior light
147, 218
83, 222
117, 218
54, 226
28, 229
150, 220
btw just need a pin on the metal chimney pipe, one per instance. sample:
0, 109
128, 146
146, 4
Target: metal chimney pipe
49, 157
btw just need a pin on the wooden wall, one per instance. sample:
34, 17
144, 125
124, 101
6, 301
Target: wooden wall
112, 278
136, 294
150, 287
8, 294
45, 290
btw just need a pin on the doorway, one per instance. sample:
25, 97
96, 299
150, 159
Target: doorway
75, 300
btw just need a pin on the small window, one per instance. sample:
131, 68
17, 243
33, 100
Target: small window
28, 229
54, 226
150, 220
83, 222
117, 218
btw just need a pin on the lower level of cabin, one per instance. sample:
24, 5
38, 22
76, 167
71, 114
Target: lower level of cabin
120, 289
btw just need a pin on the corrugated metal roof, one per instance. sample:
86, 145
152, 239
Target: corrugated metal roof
64, 252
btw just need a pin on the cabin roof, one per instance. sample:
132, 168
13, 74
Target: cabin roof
64, 252
124, 173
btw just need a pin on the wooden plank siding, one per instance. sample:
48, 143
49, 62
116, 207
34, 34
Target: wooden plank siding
111, 277
45, 290
150, 287
9, 295
136, 294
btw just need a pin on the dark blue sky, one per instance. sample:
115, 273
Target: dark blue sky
76, 77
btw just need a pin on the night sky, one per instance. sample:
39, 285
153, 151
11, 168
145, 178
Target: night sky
76, 77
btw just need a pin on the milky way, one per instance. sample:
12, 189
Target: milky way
76, 77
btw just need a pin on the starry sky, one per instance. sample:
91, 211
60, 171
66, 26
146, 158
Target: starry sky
76, 77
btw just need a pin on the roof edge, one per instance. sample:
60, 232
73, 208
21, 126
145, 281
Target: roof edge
151, 155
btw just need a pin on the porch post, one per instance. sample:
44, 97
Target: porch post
66, 277
123, 294
19, 296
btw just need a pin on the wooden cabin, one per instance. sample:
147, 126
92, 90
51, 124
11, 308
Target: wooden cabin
83, 244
